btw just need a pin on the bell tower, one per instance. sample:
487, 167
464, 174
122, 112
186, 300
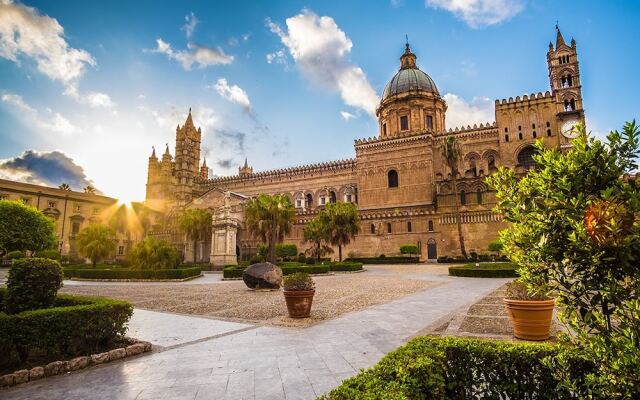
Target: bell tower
566, 87
187, 159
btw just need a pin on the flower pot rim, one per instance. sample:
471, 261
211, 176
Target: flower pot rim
312, 291
515, 301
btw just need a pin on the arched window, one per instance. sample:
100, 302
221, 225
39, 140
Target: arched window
479, 196
520, 135
388, 227
506, 138
373, 229
491, 163
463, 197
332, 197
525, 157
535, 134
430, 226
392, 177
409, 226
309, 200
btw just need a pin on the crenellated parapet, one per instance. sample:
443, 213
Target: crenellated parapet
524, 101
292, 172
475, 131
399, 140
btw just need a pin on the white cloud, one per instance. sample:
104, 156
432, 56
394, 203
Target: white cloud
53, 121
170, 116
233, 93
462, 113
277, 57
234, 41
479, 13
321, 49
347, 115
93, 99
197, 55
190, 24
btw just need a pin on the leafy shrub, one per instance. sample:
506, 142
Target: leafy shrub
297, 282
474, 255
32, 284
575, 231
485, 270
255, 260
442, 368
75, 325
51, 254
301, 258
127, 273
310, 261
496, 246
153, 254
517, 290
345, 266
233, 271
16, 254
24, 228
311, 269
286, 250
409, 249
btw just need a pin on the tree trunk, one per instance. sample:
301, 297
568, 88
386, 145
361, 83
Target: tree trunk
95, 262
319, 244
340, 253
195, 243
272, 248
458, 219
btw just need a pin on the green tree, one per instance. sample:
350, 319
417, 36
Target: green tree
451, 154
152, 253
316, 232
90, 189
410, 249
96, 242
24, 228
270, 218
64, 186
196, 224
576, 232
342, 223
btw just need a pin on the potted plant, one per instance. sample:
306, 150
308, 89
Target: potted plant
298, 293
530, 313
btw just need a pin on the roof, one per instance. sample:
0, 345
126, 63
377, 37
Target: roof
407, 80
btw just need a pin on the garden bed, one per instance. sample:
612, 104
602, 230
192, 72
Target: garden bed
235, 271
485, 270
461, 368
75, 326
384, 260
128, 274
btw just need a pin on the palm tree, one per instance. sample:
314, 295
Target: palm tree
342, 223
316, 232
64, 186
451, 153
196, 224
90, 190
270, 218
96, 242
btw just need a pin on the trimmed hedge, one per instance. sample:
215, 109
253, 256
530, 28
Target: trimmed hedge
460, 259
485, 270
462, 368
235, 271
345, 266
384, 260
75, 325
32, 284
126, 273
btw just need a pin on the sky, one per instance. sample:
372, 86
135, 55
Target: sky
87, 87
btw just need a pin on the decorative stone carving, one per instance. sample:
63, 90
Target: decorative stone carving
262, 276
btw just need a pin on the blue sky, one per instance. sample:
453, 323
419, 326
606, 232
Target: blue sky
89, 87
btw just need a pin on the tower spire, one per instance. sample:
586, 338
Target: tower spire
189, 121
559, 38
153, 153
408, 59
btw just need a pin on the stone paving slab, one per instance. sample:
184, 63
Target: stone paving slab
168, 330
265, 362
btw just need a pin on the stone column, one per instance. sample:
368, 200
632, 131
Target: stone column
223, 242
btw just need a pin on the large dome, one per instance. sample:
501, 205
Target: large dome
407, 80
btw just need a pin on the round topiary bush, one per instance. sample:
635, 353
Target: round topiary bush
16, 254
32, 284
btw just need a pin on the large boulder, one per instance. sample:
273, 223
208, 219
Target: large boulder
262, 276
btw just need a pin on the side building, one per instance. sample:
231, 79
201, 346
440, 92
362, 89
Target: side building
402, 186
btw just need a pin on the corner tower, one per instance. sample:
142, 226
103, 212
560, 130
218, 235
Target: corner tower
187, 159
410, 102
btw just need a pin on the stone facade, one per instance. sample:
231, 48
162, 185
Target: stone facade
398, 179
70, 210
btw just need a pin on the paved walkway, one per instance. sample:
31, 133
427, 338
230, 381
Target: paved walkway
208, 359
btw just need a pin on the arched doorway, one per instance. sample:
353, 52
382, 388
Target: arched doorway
432, 250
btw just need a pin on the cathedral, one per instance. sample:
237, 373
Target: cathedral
398, 179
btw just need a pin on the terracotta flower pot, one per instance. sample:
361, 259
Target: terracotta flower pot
530, 319
299, 302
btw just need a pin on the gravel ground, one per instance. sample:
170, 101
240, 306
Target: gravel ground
335, 295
